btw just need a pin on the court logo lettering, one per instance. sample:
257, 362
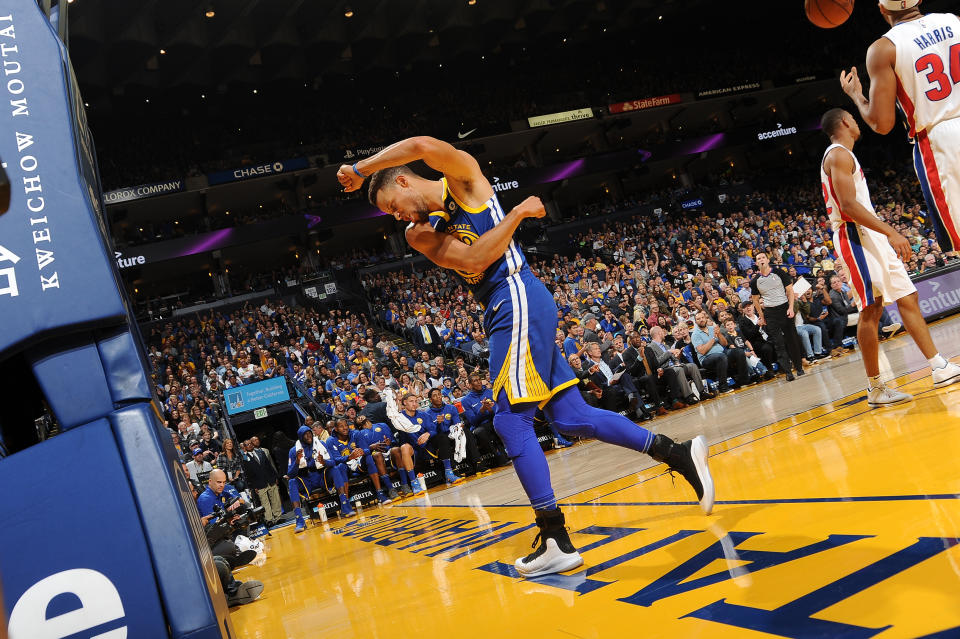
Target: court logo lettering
792, 619
454, 538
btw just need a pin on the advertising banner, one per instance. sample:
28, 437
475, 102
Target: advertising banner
646, 103
354, 154
243, 399
260, 170
563, 116
779, 132
746, 87
129, 193
792, 80
692, 204
939, 295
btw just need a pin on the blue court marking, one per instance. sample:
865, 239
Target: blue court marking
741, 502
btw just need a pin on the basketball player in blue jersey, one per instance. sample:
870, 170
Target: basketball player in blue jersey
458, 224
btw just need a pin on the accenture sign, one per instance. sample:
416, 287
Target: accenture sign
506, 185
127, 262
779, 132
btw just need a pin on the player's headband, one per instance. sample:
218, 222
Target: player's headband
899, 5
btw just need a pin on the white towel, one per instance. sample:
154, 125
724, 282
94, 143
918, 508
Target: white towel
319, 451
459, 442
398, 419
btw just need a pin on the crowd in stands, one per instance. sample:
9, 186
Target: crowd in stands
338, 360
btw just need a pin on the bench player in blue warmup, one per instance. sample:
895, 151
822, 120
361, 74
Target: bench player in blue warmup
348, 447
310, 467
458, 223
423, 437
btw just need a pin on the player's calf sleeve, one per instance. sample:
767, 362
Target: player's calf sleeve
293, 490
516, 431
446, 464
573, 416
298, 512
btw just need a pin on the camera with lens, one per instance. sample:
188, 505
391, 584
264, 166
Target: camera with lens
219, 528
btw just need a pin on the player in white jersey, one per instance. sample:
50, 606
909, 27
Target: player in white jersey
916, 65
873, 253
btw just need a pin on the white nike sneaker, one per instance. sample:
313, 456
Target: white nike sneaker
946, 375
554, 550
883, 395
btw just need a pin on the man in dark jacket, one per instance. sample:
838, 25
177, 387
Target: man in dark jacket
262, 478
754, 333
841, 308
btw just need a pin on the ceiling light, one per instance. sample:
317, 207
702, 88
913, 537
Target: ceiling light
86, 104
659, 17
163, 52
348, 12
210, 12
254, 91
203, 96
471, 2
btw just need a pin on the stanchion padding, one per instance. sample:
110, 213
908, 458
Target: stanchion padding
57, 274
186, 575
71, 376
75, 559
124, 367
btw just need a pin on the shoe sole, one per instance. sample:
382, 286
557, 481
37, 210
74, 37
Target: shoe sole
249, 593
699, 450
560, 564
947, 382
882, 404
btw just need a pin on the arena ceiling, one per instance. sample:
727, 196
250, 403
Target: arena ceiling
117, 43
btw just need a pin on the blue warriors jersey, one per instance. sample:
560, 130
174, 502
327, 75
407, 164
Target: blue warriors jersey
467, 224
373, 435
340, 451
520, 316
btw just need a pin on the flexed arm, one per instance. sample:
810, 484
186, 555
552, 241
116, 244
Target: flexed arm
445, 250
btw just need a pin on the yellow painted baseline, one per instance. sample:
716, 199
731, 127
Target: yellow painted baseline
838, 522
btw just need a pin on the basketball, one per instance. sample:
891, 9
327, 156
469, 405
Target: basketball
828, 14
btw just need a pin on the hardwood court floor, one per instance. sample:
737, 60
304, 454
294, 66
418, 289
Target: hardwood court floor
832, 520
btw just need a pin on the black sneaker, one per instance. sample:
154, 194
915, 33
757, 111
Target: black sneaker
790, 376
690, 460
554, 550
247, 592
